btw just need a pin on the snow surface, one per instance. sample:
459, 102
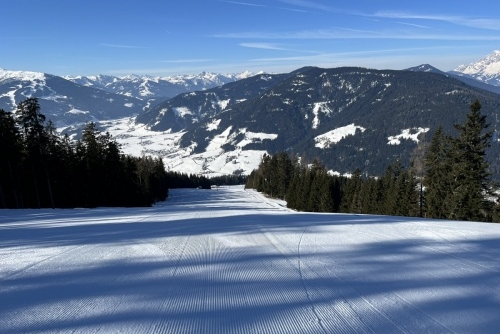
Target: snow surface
21, 75
319, 107
334, 136
489, 65
232, 261
182, 111
486, 69
78, 112
408, 134
214, 125
254, 137
136, 139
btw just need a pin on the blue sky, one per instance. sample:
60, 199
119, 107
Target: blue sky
88, 37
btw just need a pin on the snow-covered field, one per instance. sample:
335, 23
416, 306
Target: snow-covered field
231, 261
136, 139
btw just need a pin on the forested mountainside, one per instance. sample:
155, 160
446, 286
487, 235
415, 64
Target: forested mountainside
347, 117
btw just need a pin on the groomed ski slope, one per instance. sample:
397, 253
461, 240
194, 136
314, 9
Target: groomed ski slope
231, 261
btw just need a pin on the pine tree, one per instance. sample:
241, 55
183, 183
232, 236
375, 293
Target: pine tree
327, 189
470, 172
292, 196
390, 188
10, 160
437, 180
351, 200
284, 174
31, 120
370, 199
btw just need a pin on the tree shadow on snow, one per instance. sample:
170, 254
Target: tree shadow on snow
268, 271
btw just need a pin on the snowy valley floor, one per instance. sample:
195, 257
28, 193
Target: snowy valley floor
231, 261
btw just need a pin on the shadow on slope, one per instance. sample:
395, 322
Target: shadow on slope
382, 286
228, 262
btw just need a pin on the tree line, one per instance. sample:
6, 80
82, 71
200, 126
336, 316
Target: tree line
40, 168
448, 178
184, 180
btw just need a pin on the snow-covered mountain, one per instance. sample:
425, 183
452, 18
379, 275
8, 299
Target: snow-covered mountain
458, 75
71, 100
348, 117
157, 88
486, 69
63, 101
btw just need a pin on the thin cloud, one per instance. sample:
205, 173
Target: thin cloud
120, 46
309, 5
242, 3
352, 54
184, 61
258, 5
264, 46
272, 46
347, 33
413, 25
485, 23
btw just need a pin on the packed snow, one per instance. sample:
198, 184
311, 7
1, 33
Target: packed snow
233, 261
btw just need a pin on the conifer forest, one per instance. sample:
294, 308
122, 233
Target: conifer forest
39, 168
448, 178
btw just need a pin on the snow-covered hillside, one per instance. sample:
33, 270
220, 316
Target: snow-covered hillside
232, 261
137, 140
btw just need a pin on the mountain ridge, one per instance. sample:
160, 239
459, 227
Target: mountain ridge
157, 87
348, 117
63, 101
71, 100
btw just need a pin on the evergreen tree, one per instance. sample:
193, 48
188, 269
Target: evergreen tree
437, 180
370, 196
31, 120
292, 193
284, 174
391, 188
327, 189
470, 172
351, 200
10, 162
39, 168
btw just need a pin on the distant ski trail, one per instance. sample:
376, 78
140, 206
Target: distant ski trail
234, 261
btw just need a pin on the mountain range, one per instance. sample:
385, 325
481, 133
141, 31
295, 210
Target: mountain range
70, 100
156, 88
63, 101
347, 117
